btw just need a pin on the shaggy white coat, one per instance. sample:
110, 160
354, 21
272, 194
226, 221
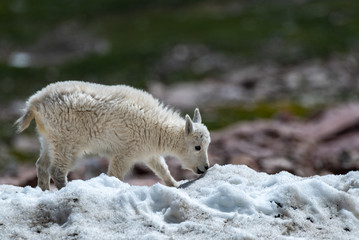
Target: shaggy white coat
123, 123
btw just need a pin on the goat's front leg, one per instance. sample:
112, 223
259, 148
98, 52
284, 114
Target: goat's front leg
159, 166
119, 166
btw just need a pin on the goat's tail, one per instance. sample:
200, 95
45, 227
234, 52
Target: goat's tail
24, 121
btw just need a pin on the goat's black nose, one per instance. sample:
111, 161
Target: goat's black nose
199, 171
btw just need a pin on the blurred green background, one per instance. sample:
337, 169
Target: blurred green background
129, 41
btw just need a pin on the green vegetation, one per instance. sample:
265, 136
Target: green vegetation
139, 32
223, 116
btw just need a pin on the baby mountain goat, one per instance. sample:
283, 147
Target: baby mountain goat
125, 124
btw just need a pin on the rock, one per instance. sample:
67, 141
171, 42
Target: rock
275, 165
334, 122
244, 160
311, 82
328, 143
24, 175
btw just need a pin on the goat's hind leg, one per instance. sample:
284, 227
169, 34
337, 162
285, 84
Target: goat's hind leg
59, 176
42, 166
64, 158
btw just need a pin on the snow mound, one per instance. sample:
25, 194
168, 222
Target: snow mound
229, 202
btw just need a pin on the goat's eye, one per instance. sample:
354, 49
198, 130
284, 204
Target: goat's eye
198, 148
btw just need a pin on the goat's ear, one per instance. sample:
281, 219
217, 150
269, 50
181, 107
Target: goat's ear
197, 116
189, 125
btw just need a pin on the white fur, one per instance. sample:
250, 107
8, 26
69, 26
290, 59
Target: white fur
123, 123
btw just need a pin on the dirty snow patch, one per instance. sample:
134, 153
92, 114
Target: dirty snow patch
229, 202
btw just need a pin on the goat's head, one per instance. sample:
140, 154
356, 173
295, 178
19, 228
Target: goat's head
197, 139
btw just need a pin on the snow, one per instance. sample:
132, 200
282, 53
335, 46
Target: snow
228, 202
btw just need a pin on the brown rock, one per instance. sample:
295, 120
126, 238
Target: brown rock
326, 144
244, 160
